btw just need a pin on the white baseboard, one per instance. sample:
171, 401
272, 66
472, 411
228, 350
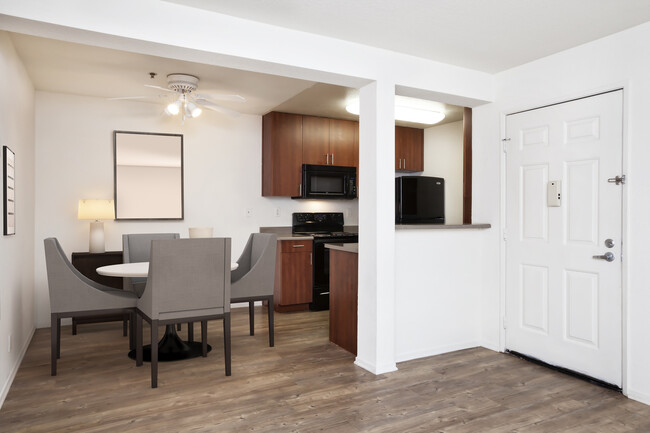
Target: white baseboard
490, 346
373, 368
14, 370
432, 351
639, 396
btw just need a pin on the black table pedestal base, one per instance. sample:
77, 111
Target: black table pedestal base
172, 348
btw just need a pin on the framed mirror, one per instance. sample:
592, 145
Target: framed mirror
148, 175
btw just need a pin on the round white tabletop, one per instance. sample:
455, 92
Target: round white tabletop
138, 269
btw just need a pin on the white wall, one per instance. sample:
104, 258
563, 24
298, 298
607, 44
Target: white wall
620, 60
438, 284
16, 252
222, 156
443, 157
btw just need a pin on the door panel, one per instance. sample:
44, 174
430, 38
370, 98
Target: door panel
563, 305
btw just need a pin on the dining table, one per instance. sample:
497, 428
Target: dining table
170, 347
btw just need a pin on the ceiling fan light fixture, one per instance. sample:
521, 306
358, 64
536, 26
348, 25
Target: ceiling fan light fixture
173, 109
193, 110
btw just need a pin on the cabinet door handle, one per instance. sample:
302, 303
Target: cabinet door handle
405, 163
332, 159
310, 259
298, 246
300, 189
328, 159
400, 163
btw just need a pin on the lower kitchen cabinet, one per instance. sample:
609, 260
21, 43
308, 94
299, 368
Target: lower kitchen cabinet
293, 276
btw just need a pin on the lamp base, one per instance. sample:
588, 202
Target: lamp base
97, 244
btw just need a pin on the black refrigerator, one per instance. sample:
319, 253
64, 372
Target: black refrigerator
419, 200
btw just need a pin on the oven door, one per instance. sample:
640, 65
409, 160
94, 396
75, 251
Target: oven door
321, 271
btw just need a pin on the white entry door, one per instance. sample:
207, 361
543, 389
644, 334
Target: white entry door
563, 305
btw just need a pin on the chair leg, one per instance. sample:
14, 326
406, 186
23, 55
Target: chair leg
178, 326
74, 326
125, 325
54, 330
58, 337
138, 340
271, 323
251, 316
226, 341
132, 330
204, 338
154, 353
190, 331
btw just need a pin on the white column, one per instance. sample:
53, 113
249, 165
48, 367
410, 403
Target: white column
376, 315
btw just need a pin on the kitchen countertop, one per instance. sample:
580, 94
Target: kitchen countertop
441, 226
284, 233
346, 247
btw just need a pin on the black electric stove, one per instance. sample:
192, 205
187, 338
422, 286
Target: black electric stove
324, 227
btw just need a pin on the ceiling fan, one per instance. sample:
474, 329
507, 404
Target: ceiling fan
186, 102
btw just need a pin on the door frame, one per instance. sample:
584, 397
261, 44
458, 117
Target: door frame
624, 86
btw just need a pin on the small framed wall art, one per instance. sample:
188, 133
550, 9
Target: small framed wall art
9, 184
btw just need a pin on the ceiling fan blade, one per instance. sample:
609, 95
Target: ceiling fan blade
136, 97
127, 97
231, 98
216, 107
160, 88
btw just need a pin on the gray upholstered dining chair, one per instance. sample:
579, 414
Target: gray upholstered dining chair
201, 269
254, 278
136, 247
72, 295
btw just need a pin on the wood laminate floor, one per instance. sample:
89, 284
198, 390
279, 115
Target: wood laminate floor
304, 384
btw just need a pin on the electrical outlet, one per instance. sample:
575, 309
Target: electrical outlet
249, 213
277, 211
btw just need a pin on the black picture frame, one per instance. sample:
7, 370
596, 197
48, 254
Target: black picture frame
180, 199
9, 191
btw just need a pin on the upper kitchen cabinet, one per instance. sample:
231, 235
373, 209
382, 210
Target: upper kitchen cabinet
328, 141
315, 140
409, 149
343, 148
281, 154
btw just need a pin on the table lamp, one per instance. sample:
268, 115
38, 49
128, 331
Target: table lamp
96, 210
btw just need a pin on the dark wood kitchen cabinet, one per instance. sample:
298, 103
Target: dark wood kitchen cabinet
329, 141
281, 154
290, 140
87, 263
409, 149
316, 140
293, 276
343, 148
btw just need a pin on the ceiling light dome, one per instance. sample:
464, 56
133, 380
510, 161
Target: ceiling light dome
406, 111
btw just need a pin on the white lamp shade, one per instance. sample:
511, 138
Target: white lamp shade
200, 232
96, 210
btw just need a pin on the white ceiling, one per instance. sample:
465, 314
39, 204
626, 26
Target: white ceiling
486, 35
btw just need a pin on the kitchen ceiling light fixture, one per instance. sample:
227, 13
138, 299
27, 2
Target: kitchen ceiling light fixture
189, 104
407, 111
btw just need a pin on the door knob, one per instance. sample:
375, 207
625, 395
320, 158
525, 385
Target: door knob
608, 256
609, 243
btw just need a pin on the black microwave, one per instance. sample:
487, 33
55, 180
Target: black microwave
328, 182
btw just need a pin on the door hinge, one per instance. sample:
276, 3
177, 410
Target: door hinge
504, 143
617, 180
505, 322
505, 235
